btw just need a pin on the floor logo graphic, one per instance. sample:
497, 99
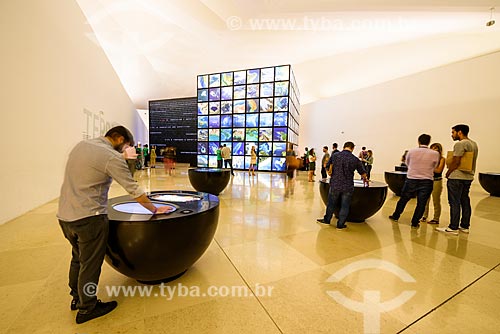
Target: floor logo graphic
372, 306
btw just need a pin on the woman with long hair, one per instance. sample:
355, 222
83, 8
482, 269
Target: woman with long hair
253, 161
437, 187
312, 164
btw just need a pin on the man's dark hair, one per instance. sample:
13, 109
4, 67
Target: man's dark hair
363, 148
349, 144
461, 127
335, 145
424, 139
121, 131
325, 147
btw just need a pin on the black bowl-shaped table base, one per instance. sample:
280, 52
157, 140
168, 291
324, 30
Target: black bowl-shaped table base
160, 248
490, 182
209, 180
365, 202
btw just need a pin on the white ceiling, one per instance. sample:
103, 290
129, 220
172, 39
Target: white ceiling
157, 47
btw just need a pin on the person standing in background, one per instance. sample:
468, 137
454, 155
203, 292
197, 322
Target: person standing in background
226, 155
312, 164
368, 161
219, 157
169, 159
437, 188
131, 158
153, 156
253, 161
324, 161
459, 181
145, 152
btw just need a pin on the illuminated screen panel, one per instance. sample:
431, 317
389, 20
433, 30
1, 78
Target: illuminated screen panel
254, 107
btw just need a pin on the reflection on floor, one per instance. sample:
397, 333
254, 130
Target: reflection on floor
272, 269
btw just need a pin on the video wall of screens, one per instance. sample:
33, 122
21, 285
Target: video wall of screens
173, 122
255, 107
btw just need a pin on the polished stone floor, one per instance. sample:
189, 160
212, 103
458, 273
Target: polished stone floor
296, 276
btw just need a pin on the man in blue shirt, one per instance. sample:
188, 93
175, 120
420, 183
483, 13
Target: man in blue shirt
342, 184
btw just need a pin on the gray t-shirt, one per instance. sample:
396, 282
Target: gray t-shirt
92, 165
464, 145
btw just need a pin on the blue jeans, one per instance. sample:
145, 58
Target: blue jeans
412, 187
458, 197
334, 197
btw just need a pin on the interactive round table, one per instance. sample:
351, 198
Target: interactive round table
160, 248
365, 202
490, 182
210, 180
395, 181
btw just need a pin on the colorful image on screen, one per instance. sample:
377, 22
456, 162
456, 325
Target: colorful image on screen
253, 76
240, 77
279, 164
203, 108
212, 161
239, 148
266, 89
202, 95
282, 73
279, 134
239, 106
279, 149
213, 147
266, 119
238, 134
281, 88
265, 149
252, 105
266, 105
203, 122
266, 74
214, 108
214, 80
252, 91
226, 107
213, 134
214, 122
203, 135
214, 94
227, 79
202, 147
252, 134
239, 92
265, 134
252, 120
227, 93
238, 162
239, 120
265, 163
281, 104
280, 119
202, 81
226, 121
226, 134
202, 160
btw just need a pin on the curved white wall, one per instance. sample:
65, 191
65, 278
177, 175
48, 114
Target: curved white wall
57, 86
389, 117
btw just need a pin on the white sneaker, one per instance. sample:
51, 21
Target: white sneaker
463, 230
447, 230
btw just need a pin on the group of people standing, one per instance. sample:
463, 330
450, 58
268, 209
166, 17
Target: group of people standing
424, 180
425, 175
